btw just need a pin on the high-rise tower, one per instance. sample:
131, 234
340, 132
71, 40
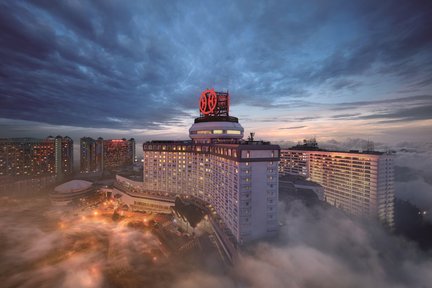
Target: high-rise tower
238, 178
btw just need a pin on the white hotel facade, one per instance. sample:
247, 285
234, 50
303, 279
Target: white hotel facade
238, 178
360, 183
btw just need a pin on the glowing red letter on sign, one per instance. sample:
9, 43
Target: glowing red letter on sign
208, 101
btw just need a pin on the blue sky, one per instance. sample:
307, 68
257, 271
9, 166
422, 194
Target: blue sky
295, 69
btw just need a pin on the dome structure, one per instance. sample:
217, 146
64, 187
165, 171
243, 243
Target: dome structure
73, 186
72, 190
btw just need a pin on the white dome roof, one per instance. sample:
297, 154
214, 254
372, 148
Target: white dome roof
73, 186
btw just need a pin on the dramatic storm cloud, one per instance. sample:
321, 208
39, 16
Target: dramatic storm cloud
316, 248
136, 67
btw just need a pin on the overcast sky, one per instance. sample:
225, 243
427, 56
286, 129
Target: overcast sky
294, 69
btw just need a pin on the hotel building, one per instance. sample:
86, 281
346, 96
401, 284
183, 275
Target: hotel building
237, 178
293, 162
36, 157
100, 155
360, 183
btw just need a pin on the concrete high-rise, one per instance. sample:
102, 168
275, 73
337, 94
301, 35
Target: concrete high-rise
360, 183
91, 155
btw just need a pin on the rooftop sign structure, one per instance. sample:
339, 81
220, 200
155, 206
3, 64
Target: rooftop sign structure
214, 103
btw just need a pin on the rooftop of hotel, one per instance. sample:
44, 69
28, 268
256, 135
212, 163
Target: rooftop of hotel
32, 139
302, 148
220, 142
312, 145
216, 119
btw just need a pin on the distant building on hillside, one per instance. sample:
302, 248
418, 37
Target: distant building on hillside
36, 157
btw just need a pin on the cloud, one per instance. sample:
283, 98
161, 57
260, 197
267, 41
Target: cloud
74, 77
379, 47
56, 249
403, 114
317, 247
292, 128
414, 177
412, 99
144, 64
351, 144
345, 116
403, 109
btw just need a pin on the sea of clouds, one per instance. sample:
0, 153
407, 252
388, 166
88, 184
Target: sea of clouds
317, 247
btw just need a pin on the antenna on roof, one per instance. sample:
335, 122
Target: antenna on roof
251, 136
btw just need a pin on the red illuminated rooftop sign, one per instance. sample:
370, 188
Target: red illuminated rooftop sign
208, 101
214, 103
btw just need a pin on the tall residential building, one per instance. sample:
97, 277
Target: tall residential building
118, 153
64, 157
99, 155
293, 162
238, 178
360, 183
36, 157
91, 155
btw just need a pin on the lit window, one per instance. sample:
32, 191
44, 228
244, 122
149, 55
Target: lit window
233, 132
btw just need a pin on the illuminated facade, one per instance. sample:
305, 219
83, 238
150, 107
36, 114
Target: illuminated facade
99, 155
36, 157
118, 153
64, 157
360, 183
238, 178
90, 155
293, 162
